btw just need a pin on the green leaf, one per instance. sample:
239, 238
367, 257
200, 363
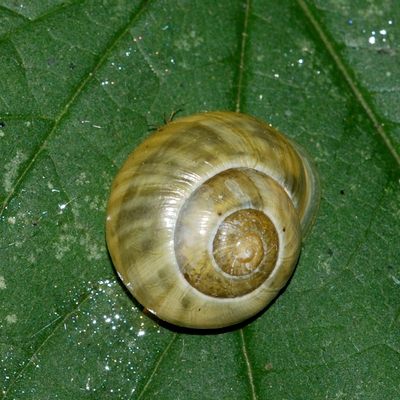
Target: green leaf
82, 83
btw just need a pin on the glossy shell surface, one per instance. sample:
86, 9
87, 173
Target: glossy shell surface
206, 217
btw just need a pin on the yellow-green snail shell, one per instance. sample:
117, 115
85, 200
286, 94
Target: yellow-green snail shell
206, 217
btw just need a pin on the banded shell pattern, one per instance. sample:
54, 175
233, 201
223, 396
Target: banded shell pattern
206, 217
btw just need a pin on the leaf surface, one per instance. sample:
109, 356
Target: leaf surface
83, 82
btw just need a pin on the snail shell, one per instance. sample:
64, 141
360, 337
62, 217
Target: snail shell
206, 217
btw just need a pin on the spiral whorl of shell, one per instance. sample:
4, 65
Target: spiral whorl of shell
205, 218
